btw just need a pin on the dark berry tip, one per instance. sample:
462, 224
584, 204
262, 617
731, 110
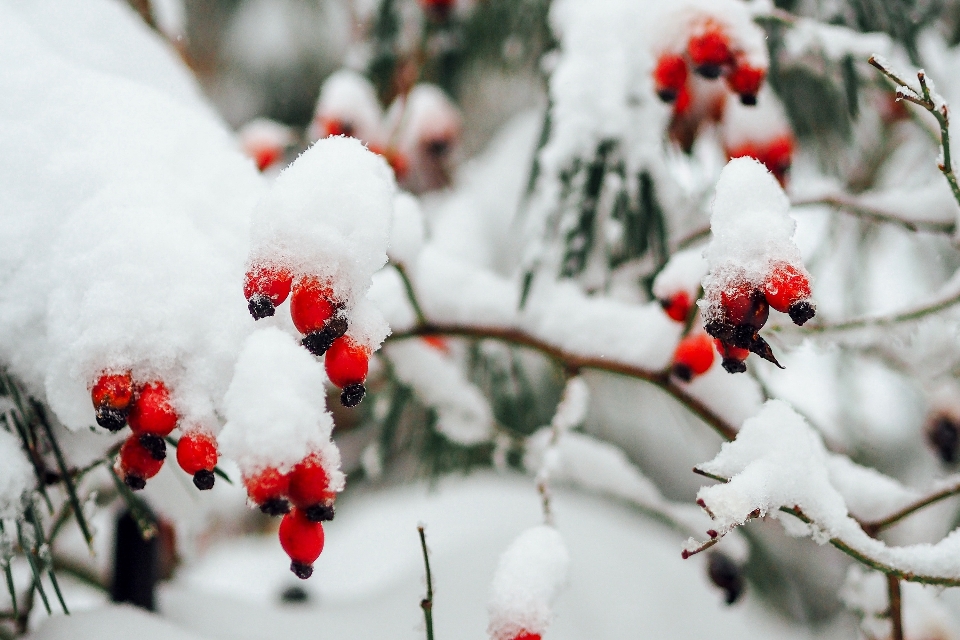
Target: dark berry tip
802, 311
683, 372
732, 365
204, 479
260, 306
275, 507
721, 330
726, 574
748, 99
352, 395
301, 570
762, 349
709, 71
317, 342
337, 326
943, 435
154, 445
667, 95
319, 513
111, 419
134, 482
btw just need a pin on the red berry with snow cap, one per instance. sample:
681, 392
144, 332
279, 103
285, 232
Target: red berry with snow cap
265, 287
151, 412
312, 304
346, 364
302, 540
669, 76
787, 289
310, 489
268, 490
745, 81
138, 463
709, 50
197, 455
112, 395
677, 306
693, 357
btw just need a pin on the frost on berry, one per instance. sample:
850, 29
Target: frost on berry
753, 261
276, 417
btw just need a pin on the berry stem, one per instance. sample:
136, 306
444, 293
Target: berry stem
427, 603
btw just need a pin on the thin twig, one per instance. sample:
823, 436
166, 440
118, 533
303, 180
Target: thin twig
896, 608
876, 215
574, 362
876, 526
411, 294
942, 114
427, 603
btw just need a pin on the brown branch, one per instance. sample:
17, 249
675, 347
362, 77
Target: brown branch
876, 526
896, 608
574, 362
873, 214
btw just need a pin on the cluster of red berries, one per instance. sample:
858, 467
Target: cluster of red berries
318, 315
146, 408
711, 53
776, 155
745, 309
304, 497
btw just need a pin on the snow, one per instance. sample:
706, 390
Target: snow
123, 195
463, 413
16, 477
406, 230
276, 408
682, 273
530, 573
112, 622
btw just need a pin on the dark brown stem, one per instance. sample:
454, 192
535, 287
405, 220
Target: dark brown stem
574, 362
895, 611
427, 603
876, 526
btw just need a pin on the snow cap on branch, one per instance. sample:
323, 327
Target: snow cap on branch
276, 408
530, 573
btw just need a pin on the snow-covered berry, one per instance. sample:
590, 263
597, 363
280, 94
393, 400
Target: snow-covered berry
151, 411
310, 489
709, 49
669, 76
693, 357
787, 289
346, 364
137, 463
311, 304
302, 540
112, 394
268, 490
776, 155
746, 80
265, 287
197, 455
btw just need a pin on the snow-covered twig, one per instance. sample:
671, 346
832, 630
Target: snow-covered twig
873, 214
876, 526
932, 102
575, 362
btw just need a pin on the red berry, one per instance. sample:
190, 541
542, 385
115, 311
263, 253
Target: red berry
152, 413
346, 362
779, 157
693, 356
682, 104
785, 286
269, 484
197, 451
311, 305
669, 76
526, 635
335, 127
269, 280
745, 81
709, 49
137, 463
730, 351
396, 160
677, 306
737, 301
302, 540
309, 484
113, 390
437, 342
265, 157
